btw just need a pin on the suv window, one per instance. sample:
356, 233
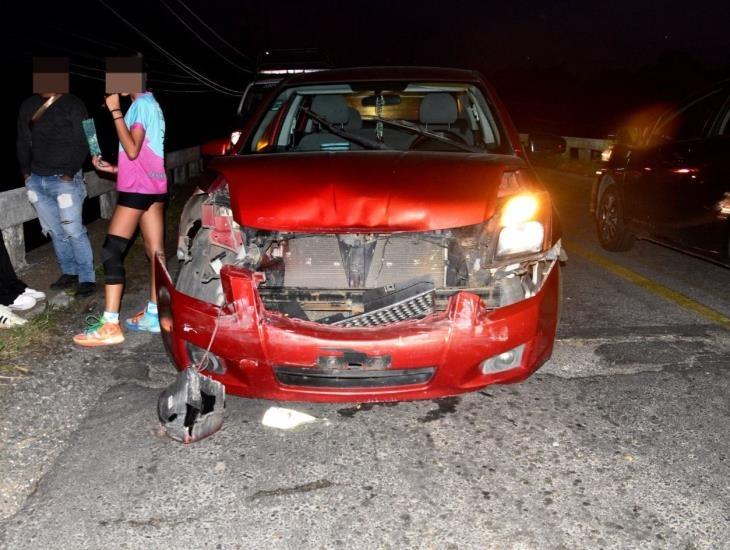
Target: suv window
691, 121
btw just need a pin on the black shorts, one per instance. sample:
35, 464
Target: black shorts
139, 201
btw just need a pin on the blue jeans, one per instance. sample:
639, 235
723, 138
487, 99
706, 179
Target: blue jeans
58, 205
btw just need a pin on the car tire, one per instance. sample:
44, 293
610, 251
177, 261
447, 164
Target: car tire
610, 225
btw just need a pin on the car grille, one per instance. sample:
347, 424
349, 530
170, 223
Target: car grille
414, 307
351, 378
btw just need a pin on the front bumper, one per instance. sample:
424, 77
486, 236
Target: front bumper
267, 355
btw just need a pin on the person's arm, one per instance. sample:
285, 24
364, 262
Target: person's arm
130, 140
81, 149
23, 141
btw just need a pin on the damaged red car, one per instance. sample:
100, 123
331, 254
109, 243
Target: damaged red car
379, 235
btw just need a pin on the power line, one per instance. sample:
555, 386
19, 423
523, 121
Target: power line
151, 78
213, 32
205, 80
154, 88
210, 46
87, 76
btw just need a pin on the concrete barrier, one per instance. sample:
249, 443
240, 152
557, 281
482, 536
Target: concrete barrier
15, 209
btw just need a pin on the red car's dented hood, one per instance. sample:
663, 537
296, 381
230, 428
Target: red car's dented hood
363, 190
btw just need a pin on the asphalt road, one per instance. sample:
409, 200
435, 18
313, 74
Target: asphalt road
621, 441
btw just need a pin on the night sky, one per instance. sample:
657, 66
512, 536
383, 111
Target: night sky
569, 67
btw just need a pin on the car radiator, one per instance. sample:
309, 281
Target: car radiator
316, 262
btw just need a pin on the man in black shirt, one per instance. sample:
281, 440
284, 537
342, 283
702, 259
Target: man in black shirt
51, 150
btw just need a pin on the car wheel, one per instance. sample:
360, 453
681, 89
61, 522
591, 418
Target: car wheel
612, 232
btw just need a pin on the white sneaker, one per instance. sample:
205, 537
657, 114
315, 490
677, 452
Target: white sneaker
8, 319
36, 294
23, 302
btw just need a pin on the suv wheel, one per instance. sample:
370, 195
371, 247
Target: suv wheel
612, 232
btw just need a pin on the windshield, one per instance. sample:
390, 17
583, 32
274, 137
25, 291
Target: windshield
403, 117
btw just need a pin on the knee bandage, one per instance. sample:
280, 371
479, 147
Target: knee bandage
112, 256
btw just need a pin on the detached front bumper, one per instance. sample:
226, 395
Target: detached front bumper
267, 355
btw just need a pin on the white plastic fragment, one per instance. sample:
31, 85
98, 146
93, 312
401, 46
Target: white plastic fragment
285, 419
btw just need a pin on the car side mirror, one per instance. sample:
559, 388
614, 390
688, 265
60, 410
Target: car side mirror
545, 144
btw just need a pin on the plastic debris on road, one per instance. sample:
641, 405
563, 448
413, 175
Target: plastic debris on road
286, 419
191, 408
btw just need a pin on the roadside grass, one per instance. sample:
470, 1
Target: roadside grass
37, 333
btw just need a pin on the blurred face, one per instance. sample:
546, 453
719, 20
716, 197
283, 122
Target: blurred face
50, 76
125, 75
125, 83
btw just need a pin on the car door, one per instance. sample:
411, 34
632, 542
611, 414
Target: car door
676, 172
702, 226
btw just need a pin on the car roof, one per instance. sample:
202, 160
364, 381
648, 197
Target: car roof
386, 74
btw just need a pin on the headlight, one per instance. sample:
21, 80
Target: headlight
520, 233
724, 205
235, 136
519, 208
520, 239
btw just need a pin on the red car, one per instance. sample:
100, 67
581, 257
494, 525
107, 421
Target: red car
379, 235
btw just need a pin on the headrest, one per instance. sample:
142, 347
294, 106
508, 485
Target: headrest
354, 120
332, 107
438, 108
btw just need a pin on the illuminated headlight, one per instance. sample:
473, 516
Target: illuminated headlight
520, 239
235, 136
504, 361
606, 154
724, 205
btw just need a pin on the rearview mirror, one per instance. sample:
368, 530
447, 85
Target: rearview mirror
545, 144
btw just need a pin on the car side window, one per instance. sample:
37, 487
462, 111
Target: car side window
693, 120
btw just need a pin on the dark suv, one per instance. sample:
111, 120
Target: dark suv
673, 184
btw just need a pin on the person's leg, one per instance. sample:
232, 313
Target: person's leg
70, 200
10, 286
152, 226
121, 228
106, 330
41, 194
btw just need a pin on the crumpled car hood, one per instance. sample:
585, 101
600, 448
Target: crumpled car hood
363, 191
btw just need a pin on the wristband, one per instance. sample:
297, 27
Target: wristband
118, 118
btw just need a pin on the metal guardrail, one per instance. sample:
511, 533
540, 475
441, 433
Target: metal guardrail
580, 148
15, 209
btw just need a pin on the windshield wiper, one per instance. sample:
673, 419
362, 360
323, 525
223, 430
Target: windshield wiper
344, 134
423, 131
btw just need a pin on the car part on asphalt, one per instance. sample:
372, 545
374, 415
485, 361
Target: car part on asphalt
191, 408
286, 419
